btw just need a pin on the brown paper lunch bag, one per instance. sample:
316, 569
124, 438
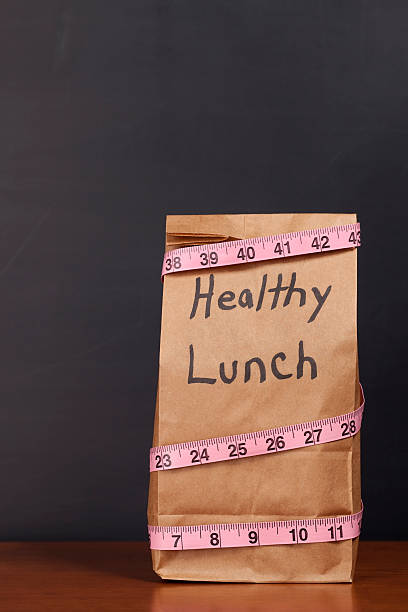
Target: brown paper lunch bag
321, 355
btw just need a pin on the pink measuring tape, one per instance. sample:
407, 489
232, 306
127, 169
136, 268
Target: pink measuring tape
225, 448
200, 452
233, 535
251, 250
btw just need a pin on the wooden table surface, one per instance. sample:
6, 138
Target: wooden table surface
117, 576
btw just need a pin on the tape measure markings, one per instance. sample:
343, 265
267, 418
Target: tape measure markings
212, 255
239, 446
233, 535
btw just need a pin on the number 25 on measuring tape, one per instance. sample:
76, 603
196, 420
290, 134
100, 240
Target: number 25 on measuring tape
246, 253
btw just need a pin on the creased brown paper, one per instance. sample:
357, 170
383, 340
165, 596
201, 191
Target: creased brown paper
306, 325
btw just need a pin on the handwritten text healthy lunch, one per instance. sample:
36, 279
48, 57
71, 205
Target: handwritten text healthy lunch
278, 293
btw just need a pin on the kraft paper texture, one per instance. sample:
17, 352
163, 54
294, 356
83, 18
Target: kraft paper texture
316, 481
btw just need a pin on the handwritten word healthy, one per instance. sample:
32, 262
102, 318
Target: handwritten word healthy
265, 296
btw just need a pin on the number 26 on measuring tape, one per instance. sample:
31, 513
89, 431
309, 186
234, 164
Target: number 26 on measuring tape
274, 444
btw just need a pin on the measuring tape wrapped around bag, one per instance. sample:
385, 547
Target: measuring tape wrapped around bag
269, 441
263, 248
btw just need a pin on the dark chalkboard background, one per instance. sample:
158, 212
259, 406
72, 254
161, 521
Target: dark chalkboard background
113, 114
